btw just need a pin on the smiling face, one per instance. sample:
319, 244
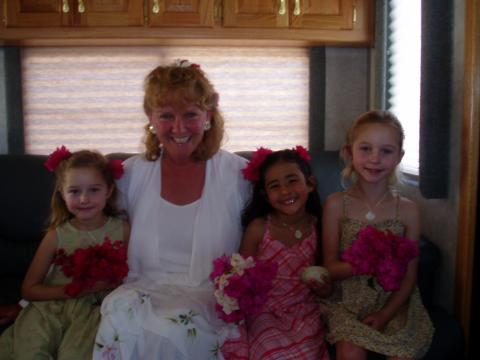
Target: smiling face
286, 188
375, 152
85, 193
179, 129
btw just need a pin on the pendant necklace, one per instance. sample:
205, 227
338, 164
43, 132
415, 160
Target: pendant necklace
297, 232
370, 215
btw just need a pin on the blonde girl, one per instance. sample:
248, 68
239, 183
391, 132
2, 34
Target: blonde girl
362, 316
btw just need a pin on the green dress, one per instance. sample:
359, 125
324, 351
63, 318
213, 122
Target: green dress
408, 334
60, 329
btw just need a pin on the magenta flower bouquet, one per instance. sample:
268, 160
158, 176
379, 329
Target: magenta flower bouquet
381, 254
241, 285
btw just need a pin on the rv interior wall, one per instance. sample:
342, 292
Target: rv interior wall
346, 95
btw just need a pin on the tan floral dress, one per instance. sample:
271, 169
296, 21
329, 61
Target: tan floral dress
408, 334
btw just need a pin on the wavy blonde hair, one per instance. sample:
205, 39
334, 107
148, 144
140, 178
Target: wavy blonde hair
81, 159
370, 117
179, 86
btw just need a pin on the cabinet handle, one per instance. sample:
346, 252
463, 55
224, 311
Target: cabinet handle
282, 10
296, 9
156, 7
81, 6
65, 6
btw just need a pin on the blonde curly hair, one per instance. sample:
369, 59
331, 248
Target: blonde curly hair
180, 85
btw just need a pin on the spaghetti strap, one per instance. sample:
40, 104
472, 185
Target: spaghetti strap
344, 204
397, 207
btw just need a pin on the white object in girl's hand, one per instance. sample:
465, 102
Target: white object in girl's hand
314, 273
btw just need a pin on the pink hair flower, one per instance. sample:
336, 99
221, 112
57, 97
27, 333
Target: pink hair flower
116, 167
302, 152
55, 158
186, 64
251, 171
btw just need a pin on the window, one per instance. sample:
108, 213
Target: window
403, 73
91, 97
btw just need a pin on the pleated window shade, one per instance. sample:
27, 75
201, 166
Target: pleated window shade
91, 97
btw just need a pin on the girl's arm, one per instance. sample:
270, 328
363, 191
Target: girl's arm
410, 215
332, 214
252, 237
33, 287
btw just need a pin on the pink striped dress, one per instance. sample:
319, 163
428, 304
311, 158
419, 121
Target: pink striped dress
289, 325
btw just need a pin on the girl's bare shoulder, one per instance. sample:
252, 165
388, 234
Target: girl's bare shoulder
257, 226
334, 201
408, 211
406, 204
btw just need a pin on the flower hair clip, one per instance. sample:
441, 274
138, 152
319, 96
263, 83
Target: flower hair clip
303, 153
116, 167
251, 171
186, 64
55, 158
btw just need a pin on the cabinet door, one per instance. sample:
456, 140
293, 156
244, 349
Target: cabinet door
109, 12
181, 13
34, 13
255, 13
322, 14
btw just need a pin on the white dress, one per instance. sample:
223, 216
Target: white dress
165, 310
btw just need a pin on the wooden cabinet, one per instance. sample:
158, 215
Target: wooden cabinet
31, 13
181, 13
54, 13
298, 14
190, 22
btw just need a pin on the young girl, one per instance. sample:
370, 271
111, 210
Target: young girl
54, 325
361, 314
282, 221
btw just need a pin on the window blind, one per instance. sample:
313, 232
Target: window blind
91, 97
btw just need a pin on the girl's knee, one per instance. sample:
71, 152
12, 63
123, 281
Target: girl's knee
349, 351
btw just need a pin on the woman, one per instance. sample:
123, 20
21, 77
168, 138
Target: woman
184, 197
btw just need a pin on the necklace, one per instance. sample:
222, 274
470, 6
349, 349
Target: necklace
370, 215
297, 231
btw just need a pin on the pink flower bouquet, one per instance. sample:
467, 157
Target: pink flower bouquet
381, 254
241, 285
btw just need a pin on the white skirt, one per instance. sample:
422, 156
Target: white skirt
161, 322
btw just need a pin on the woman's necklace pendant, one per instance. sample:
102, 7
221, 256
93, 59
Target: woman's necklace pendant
370, 215
298, 234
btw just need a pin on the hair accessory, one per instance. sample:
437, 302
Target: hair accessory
207, 125
151, 129
186, 64
303, 153
116, 167
56, 157
250, 172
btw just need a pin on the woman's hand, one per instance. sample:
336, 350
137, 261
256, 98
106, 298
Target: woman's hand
377, 320
322, 288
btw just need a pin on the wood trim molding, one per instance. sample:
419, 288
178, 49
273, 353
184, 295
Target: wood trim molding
469, 167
